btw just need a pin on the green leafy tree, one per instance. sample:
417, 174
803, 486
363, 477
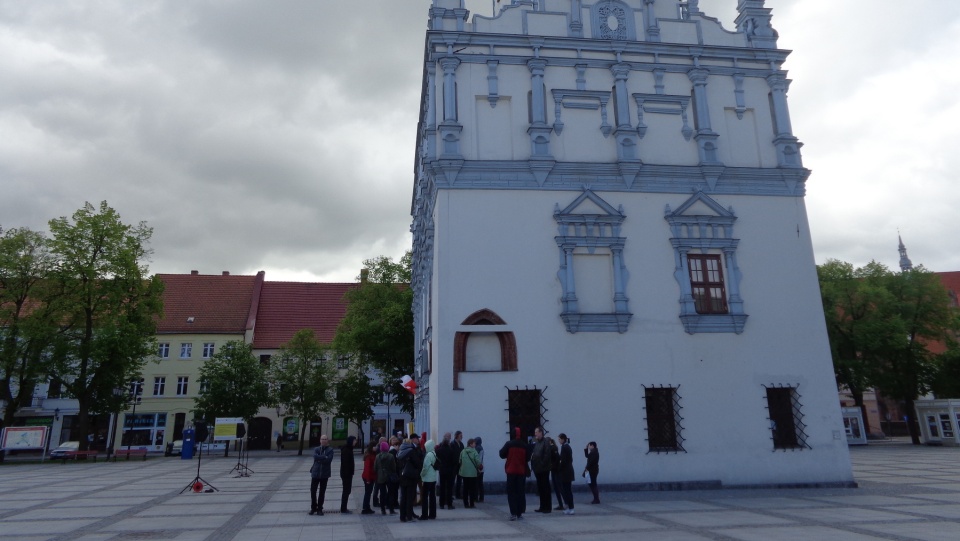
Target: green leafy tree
946, 384
26, 331
356, 396
105, 304
849, 297
232, 384
919, 314
301, 381
881, 325
378, 325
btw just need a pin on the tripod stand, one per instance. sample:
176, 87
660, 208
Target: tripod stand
199, 480
241, 467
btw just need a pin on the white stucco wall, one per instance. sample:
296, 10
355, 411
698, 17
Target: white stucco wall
499, 253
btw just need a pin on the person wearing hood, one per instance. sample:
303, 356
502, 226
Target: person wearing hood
347, 469
479, 449
448, 455
386, 466
428, 474
412, 460
517, 457
319, 475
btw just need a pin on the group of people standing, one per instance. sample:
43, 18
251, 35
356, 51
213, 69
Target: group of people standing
544, 458
396, 470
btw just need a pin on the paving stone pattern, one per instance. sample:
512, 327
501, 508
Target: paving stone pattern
905, 492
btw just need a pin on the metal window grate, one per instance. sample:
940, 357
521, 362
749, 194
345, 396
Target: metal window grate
664, 428
787, 429
527, 409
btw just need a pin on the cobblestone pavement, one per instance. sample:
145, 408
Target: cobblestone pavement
906, 492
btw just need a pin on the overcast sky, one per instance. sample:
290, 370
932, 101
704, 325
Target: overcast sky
278, 135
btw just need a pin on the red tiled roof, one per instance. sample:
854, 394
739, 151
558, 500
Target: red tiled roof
217, 303
287, 307
951, 281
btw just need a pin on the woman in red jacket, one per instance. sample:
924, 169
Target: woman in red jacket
369, 476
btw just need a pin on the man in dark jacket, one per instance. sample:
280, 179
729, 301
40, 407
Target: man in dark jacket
347, 467
541, 462
449, 466
319, 475
458, 445
516, 455
411, 457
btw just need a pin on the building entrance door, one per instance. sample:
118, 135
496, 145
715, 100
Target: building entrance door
260, 435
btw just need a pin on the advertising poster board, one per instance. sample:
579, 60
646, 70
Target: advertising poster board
291, 429
226, 428
339, 429
24, 437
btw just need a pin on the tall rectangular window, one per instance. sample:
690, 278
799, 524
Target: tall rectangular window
265, 361
207, 350
186, 350
182, 385
706, 284
663, 420
786, 422
163, 350
523, 408
55, 389
158, 385
136, 387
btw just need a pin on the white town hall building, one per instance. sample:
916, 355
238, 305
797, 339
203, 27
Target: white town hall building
610, 240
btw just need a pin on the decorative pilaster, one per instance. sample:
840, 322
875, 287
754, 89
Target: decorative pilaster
576, 21
734, 302
651, 28
706, 138
788, 146
738, 94
450, 128
431, 129
541, 161
493, 83
625, 133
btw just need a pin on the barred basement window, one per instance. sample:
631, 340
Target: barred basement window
663, 420
786, 422
525, 409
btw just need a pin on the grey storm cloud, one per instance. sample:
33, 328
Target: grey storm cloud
279, 135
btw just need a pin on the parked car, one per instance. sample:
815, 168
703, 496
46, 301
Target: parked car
65, 447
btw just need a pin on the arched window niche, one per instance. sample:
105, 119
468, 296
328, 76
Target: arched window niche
486, 339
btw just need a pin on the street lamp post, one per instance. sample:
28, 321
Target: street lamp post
389, 394
136, 389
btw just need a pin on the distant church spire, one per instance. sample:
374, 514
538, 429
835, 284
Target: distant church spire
905, 263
